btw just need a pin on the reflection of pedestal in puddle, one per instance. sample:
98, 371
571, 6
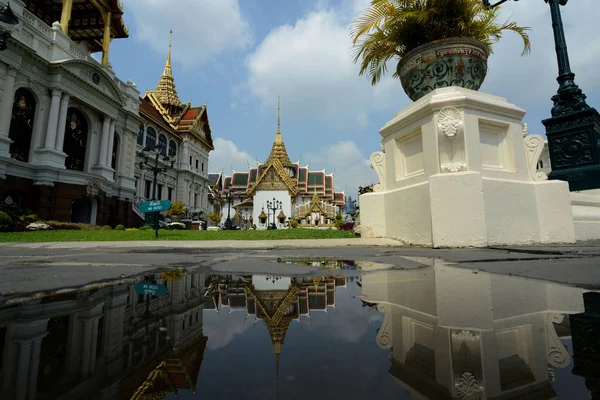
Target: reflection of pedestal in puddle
456, 171
455, 333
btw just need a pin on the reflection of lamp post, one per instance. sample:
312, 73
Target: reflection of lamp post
573, 131
273, 206
8, 23
147, 164
228, 220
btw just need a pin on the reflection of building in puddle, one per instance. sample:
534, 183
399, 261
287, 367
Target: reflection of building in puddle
96, 339
320, 262
460, 334
275, 300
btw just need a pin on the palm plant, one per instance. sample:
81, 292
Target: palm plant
391, 28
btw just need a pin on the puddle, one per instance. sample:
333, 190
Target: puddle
428, 333
335, 263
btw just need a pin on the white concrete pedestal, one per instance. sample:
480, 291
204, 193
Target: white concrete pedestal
455, 171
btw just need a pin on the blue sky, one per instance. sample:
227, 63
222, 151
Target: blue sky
239, 55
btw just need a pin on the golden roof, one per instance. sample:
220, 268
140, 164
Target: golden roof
165, 90
278, 151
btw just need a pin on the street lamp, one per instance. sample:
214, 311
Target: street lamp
146, 163
273, 206
228, 220
573, 131
8, 23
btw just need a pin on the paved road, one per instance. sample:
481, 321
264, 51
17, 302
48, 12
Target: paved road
50, 266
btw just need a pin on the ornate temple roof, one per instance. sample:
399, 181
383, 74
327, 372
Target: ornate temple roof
165, 89
278, 151
163, 107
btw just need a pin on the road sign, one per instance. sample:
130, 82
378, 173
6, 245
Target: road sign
154, 289
155, 205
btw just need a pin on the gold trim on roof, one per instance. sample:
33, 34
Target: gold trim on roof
280, 171
165, 90
278, 151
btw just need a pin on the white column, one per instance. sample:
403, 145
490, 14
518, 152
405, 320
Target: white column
111, 140
23, 370
62, 121
53, 119
86, 340
93, 346
34, 367
6, 102
104, 140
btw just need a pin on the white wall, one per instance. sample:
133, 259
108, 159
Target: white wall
260, 200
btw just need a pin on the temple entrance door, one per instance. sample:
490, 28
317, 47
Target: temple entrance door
81, 210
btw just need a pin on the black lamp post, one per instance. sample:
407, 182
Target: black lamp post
574, 130
146, 163
273, 206
228, 220
8, 23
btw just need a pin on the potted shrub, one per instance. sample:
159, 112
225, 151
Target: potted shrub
177, 210
214, 217
437, 43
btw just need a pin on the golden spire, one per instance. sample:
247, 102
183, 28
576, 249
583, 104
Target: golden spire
165, 89
278, 150
168, 66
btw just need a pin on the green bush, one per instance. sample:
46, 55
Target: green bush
5, 220
214, 217
338, 223
119, 228
293, 223
145, 228
338, 217
106, 228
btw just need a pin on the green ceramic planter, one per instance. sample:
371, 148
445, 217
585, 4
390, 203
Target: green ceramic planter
442, 63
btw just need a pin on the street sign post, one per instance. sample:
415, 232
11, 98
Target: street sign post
155, 206
153, 289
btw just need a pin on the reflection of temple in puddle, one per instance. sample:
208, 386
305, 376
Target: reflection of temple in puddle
275, 300
455, 333
96, 339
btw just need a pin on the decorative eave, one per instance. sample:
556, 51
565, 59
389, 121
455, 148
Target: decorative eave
198, 124
279, 169
151, 96
158, 120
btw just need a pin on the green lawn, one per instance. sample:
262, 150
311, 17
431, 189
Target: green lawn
114, 236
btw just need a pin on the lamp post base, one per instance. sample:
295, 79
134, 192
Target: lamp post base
574, 146
228, 224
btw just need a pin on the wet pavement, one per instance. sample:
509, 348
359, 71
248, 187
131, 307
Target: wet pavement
320, 323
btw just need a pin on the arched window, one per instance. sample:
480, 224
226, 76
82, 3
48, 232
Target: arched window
115, 149
140, 138
150, 138
172, 148
162, 142
76, 133
21, 124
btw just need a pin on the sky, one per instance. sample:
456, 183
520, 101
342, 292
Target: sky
237, 56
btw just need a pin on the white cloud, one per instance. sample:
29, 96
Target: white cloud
226, 156
352, 168
202, 29
309, 65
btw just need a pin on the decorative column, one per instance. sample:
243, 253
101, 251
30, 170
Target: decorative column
107, 39
21, 359
104, 140
6, 102
66, 15
62, 121
111, 139
53, 119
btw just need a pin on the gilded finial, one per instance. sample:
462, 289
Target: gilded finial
278, 135
168, 66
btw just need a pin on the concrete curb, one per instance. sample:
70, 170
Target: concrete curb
212, 244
